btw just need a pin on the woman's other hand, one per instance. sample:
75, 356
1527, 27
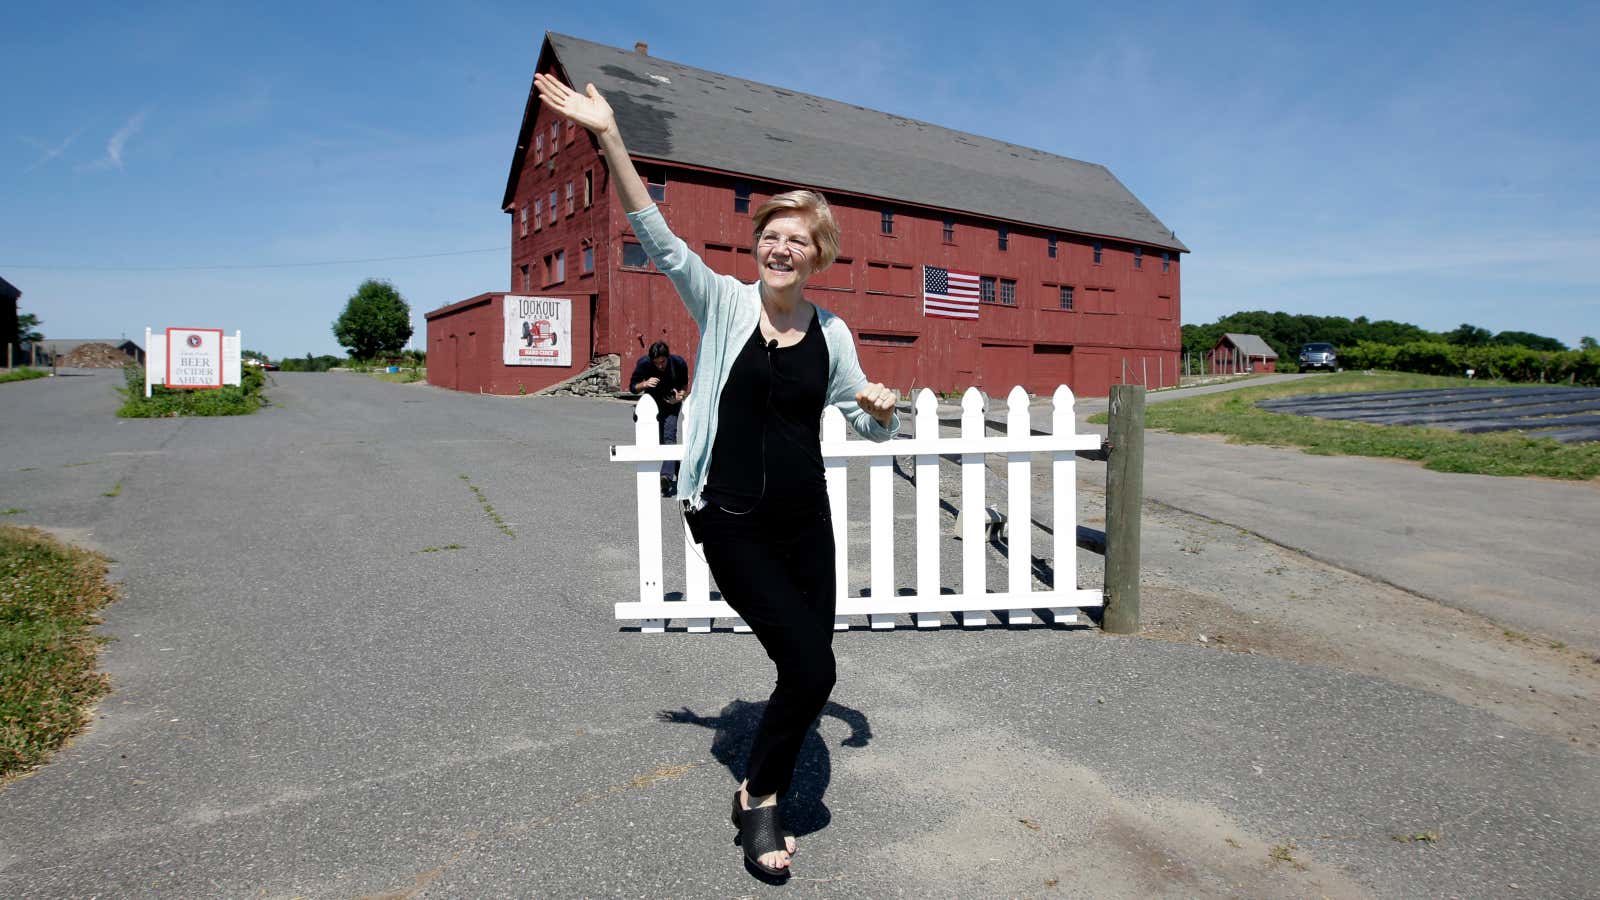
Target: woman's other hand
588, 109
878, 401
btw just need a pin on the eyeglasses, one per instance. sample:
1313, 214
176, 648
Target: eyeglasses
772, 239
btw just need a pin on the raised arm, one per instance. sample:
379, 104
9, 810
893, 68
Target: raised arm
591, 110
698, 286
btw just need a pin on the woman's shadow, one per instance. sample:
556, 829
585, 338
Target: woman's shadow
803, 809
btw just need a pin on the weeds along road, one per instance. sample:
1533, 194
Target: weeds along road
336, 674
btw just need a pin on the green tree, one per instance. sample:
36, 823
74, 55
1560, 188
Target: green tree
253, 354
376, 321
1588, 343
1467, 335
27, 328
1527, 339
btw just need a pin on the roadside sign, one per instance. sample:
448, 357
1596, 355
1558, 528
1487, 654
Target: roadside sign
191, 358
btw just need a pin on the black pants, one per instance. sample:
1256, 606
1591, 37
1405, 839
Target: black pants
667, 430
775, 568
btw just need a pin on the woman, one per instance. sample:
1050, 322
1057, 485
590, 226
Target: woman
752, 477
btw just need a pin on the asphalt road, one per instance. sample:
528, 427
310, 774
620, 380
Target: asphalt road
310, 701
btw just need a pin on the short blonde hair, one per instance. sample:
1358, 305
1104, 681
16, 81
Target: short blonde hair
824, 230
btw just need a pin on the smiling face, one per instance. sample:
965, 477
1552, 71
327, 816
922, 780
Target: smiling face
786, 252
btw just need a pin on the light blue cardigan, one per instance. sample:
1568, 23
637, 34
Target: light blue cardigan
727, 310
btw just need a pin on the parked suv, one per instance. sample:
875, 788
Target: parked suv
1318, 356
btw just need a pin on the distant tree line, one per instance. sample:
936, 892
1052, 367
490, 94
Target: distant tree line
1286, 332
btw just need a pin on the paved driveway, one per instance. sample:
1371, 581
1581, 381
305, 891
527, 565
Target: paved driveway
314, 695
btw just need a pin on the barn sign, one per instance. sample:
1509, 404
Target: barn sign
191, 358
538, 331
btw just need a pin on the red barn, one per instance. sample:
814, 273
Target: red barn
1079, 281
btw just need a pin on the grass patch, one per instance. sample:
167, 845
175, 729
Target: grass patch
12, 511
438, 549
24, 374
1234, 414
230, 400
49, 594
488, 508
116, 491
404, 376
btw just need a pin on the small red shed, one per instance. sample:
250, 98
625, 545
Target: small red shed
1236, 354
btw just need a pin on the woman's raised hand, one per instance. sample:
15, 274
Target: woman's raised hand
588, 109
878, 401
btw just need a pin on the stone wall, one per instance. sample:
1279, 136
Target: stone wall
603, 378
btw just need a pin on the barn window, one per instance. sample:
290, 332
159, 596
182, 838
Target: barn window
1008, 292
588, 189
741, 197
1097, 253
1065, 297
986, 289
655, 178
538, 147
559, 270
886, 221
1166, 262
949, 231
553, 206
633, 256
588, 259
524, 220
569, 197
555, 137
572, 131
527, 278
1005, 237
538, 214
1052, 248
1138, 257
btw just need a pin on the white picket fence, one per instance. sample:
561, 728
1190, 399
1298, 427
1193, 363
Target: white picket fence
1013, 606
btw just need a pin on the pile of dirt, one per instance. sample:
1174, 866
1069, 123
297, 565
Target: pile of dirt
94, 356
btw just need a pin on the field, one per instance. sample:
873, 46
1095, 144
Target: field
1235, 415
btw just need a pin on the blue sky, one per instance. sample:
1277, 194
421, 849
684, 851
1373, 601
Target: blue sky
1429, 164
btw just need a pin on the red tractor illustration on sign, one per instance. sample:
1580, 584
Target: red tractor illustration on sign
539, 333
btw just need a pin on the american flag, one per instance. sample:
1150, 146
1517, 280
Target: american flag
949, 294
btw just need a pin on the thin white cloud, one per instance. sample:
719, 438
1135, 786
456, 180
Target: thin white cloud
117, 143
48, 152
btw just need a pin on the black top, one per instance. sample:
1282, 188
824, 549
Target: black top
769, 425
675, 377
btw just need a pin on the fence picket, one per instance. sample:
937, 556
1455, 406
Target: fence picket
696, 581
975, 515
647, 487
880, 493
1063, 508
1019, 507
927, 474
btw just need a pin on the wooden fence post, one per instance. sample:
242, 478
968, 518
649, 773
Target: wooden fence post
1124, 498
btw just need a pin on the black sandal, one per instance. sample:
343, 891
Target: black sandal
760, 833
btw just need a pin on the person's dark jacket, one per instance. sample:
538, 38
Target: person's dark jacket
676, 377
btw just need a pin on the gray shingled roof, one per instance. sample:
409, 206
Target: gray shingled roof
1250, 344
677, 113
